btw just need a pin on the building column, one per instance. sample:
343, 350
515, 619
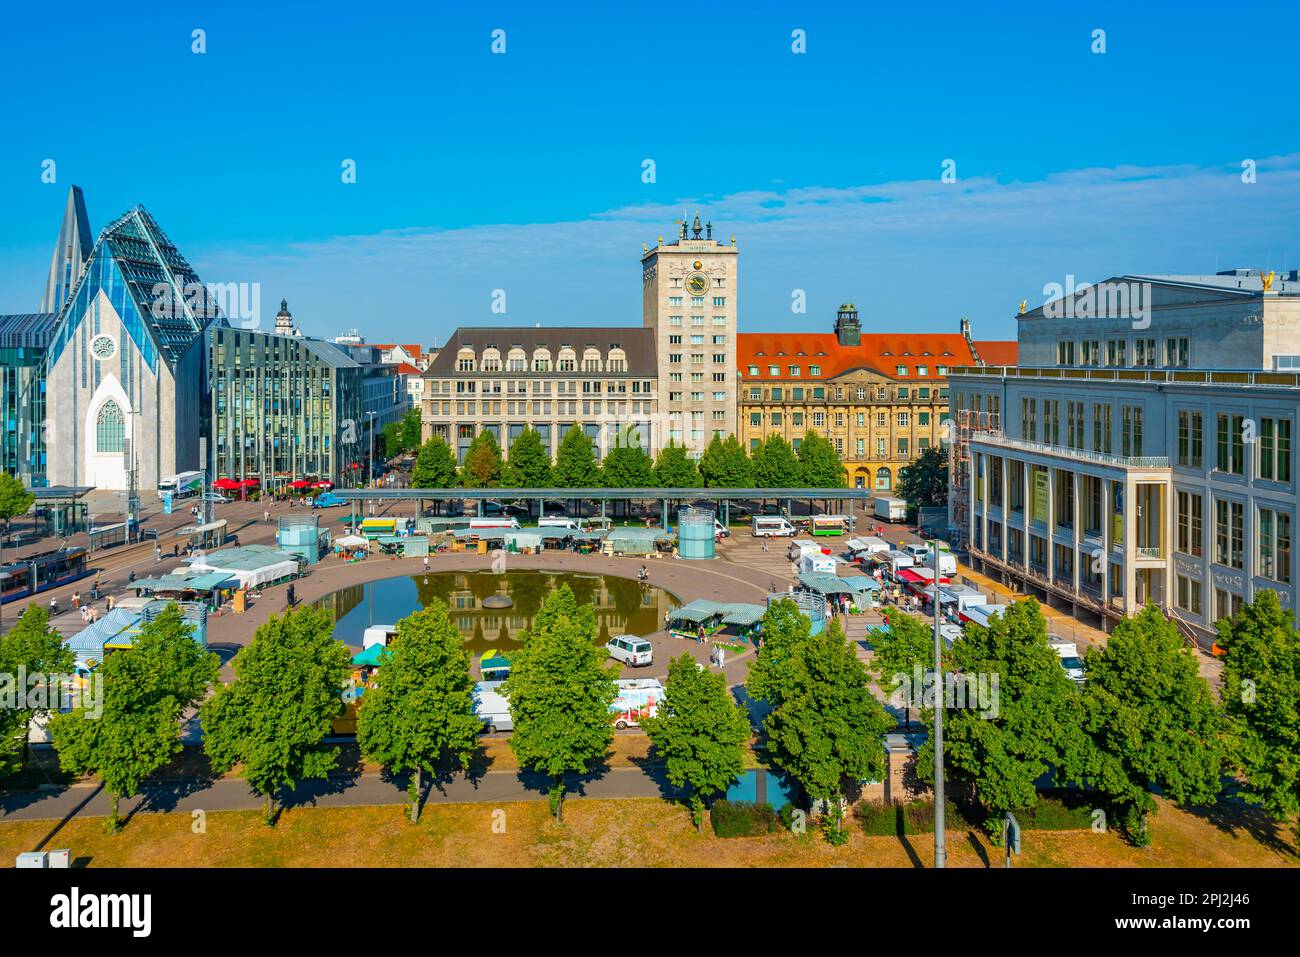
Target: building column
984, 502
1050, 547
1130, 545
1026, 483
1076, 536
1005, 503
1107, 520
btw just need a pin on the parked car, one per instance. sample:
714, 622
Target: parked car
216, 498
328, 500
1068, 652
630, 650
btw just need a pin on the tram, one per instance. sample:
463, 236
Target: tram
36, 573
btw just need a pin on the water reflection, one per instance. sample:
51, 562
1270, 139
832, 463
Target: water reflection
622, 606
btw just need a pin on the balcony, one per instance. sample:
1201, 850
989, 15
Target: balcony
1079, 455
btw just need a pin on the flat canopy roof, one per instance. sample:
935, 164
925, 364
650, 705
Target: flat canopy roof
61, 491
608, 494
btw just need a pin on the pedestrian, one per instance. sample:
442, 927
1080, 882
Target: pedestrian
292, 598
83, 614
722, 657
108, 602
765, 543
266, 516
76, 599
176, 550
94, 615
54, 607
157, 554
700, 635
426, 563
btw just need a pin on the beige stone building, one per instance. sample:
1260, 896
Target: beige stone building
690, 291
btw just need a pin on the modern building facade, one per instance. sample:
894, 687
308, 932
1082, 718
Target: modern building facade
23, 343
1144, 450
880, 398
503, 380
690, 302
286, 407
125, 368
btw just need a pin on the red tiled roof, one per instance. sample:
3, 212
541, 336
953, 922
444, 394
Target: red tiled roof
1000, 352
882, 352
412, 349
407, 369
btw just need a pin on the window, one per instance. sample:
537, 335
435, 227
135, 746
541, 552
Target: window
1144, 352
1101, 432
1131, 430
1275, 544
814, 371
1177, 352
1074, 424
1229, 533
110, 428
1090, 352
1117, 352
1226, 603
1191, 439
1275, 449
1190, 520
1029, 419
1189, 594
1065, 353
1231, 446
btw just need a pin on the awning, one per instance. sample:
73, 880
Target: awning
697, 611
351, 541
372, 656
743, 615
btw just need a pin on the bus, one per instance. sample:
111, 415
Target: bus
36, 573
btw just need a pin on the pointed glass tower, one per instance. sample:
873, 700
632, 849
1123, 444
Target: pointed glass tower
70, 252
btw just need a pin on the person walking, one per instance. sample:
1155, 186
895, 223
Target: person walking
291, 598
157, 554
108, 603
722, 658
76, 599
426, 563
266, 516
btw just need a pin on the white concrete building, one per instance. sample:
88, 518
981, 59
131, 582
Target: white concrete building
1143, 451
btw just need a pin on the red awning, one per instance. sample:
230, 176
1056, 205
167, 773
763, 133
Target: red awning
225, 484
300, 483
912, 578
324, 484
249, 483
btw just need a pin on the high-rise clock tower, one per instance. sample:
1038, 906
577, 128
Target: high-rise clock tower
689, 297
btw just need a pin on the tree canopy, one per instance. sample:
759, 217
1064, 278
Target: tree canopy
924, 482
274, 718
529, 464
819, 463
29, 648
776, 466
419, 717
435, 465
560, 692
482, 466
575, 461
674, 468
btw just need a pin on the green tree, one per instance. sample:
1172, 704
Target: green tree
1261, 695
675, 469
784, 629
777, 467
15, 500
1152, 721
628, 466
575, 461
735, 470
435, 465
392, 439
560, 693
273, 719
924, 482
827, 729
900, 650
419, 718
711, 461
29, 648
411, 429
482, 468
819, 463
529, 465
1000, 739
700, 731
146, 689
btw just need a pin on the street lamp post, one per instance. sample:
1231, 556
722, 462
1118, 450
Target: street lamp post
371, 482
940, 841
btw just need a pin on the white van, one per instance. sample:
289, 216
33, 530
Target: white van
377, 635
486, 524
554, 521
491, 707
766, 526
1068, 652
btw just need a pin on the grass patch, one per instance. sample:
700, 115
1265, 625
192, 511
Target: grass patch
744, 819
1058, 811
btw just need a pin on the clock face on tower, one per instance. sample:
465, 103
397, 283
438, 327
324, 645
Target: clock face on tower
697, 284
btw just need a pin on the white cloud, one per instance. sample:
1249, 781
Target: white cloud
918, 254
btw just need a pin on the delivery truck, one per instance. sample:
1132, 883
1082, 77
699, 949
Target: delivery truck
889, 509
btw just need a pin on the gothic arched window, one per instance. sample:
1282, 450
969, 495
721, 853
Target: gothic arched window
110, 428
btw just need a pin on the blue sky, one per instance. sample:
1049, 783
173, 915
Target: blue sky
523, 171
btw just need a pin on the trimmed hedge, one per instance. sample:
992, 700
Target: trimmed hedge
889, 820
744, 819
1055, 811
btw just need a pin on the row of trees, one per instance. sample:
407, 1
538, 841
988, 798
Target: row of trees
724, 464
1144, 721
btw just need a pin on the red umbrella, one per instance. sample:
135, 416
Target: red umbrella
225, 484
249, 483
299, 483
